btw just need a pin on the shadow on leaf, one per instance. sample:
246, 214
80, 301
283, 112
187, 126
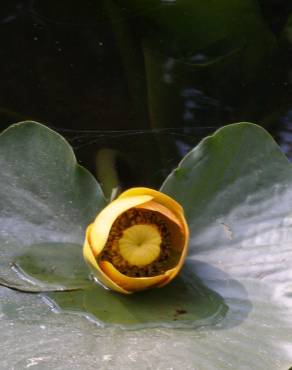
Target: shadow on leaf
186, 302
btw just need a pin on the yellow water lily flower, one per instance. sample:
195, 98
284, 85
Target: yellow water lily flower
138, 241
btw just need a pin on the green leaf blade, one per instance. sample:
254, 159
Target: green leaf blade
236, 188
45, 196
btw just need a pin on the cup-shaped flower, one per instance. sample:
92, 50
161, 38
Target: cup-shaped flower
138, 241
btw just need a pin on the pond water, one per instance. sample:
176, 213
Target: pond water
133, 86
157, 73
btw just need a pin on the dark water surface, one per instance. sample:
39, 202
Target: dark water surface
147, 76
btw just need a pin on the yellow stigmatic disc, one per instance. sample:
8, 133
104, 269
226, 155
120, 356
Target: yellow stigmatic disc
140, 244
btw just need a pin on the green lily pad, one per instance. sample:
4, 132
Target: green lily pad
53, 266
236, 189
183, 303
45, 197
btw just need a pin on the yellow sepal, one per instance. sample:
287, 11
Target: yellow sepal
130, 283
91, 261
105, 219
157, 196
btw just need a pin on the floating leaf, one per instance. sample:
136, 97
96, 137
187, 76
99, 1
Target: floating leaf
45, 197
53, 266
236, 187
184, 303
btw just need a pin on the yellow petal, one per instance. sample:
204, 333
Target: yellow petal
129, 283
91, 261
157, 196
154, 206
173, 272
105, 219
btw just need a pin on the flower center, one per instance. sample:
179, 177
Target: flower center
139, 243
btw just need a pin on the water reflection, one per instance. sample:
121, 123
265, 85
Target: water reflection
284, 135
126, 65
141, 157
